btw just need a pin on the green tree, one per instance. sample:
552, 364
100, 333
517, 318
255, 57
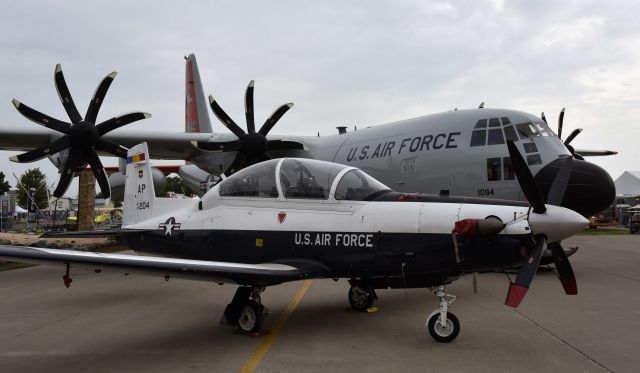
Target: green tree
176, 185
33, 178
4, 185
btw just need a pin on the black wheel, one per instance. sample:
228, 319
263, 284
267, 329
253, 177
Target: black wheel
251, 317
361, 298
446, 333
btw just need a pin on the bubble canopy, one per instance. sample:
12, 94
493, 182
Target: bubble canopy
300, 178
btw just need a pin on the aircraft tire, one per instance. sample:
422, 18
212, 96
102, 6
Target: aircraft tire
446, 334
251, 317
361, 298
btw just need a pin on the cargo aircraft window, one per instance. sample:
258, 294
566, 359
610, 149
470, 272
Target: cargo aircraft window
307, 178
530, 147
493, 169
482, 123
533, 159
355, 185
542, 128
527, 130
495, 136
510, 133
505, 121
507, 167
494, 122
252, 182
479, 138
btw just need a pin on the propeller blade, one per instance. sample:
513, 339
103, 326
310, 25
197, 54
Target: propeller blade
122, 120
248, 108
543, 118
41, 119
560, 122
565, 272
237, 164
98, 97
43, 151
109, 147
219, 146
274, 118
560, 182
66, 174
98, 171
526, 180
65, 95
518, 289
283, 144
578, 156
225, 119
572, 135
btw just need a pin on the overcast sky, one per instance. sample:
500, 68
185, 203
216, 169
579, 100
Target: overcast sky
341, 63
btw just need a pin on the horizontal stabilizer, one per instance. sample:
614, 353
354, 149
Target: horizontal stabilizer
94, 234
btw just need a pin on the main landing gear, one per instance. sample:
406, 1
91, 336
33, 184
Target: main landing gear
441, 324
246, 310
361, 296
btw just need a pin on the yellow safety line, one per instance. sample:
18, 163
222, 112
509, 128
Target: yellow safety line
254, 360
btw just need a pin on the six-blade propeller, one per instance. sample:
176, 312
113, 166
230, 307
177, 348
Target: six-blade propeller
82, 137
569, 138
251, 147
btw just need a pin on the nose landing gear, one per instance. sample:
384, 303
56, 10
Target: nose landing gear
442, 325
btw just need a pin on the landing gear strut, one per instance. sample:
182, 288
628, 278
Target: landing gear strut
361, 296
443, 325
246, 310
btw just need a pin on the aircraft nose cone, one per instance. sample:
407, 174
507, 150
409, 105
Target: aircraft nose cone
557, 223
590, 188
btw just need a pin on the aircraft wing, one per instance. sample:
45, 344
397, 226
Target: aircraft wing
162, 145
221, 272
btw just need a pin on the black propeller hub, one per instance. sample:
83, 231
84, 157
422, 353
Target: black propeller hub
254, 144
83, 134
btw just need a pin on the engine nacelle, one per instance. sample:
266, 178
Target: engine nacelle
117, 181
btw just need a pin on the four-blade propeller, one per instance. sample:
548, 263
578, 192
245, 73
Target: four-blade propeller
251, 146
82, 137
518, 289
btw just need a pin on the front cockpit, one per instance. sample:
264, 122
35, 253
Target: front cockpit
298, 178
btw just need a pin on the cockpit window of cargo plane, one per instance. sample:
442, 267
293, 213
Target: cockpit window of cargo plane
252, 182
307, 178
495, 131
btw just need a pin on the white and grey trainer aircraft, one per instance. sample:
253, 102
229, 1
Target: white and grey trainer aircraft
289, 219
461, 152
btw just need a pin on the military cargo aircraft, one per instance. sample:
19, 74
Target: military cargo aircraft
459, 151
289, 219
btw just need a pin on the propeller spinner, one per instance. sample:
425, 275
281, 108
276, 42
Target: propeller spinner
82, 137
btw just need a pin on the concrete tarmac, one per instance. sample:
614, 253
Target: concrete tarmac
111, 322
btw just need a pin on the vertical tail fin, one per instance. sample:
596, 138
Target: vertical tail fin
196, 114
139, 193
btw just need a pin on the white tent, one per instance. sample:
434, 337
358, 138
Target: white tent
628, 184
20, 210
